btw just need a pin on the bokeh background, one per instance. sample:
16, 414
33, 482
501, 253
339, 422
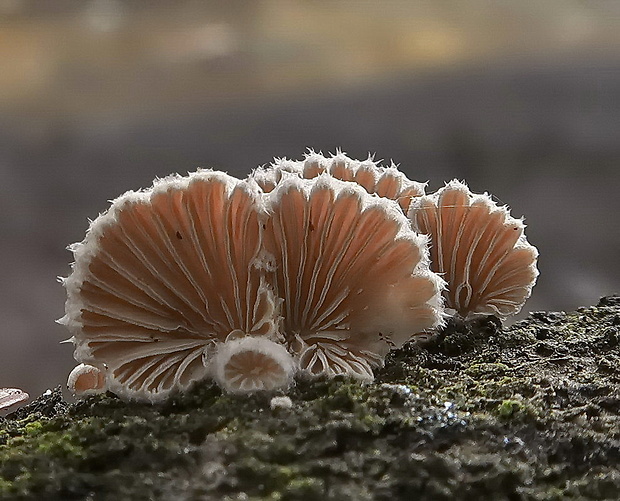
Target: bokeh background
521, 98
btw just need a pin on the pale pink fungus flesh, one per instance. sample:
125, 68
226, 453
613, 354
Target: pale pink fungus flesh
86, 379
478, 248
252, 364
162, 276
353, 276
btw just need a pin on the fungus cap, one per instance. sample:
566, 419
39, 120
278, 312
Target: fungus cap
282, 402
86, 380
163, 275
11, 396
250, 364
353, 276
478, 248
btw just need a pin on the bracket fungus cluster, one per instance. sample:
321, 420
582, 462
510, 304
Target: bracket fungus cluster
309, 268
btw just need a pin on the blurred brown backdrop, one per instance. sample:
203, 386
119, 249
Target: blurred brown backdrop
520, 98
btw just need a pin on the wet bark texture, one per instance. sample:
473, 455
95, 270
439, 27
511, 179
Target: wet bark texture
480, 412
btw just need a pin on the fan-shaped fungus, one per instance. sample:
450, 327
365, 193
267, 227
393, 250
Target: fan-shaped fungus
478, 248
163, 275
353, 276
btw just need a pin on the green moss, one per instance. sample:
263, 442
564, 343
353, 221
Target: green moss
481, 370
33, 428
508, 408
530, 412
303, 488
5, 487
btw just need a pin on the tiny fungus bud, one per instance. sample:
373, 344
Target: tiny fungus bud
252, 364
86, 380
281, 403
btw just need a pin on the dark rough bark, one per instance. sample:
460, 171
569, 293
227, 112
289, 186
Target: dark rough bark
480, 412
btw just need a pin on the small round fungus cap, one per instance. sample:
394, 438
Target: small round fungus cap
353, 275
478, 248
252, 364
163, 275
11, 396
281, 403
86, 380
386, 182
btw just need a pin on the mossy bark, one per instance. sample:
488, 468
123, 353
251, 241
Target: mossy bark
480, 412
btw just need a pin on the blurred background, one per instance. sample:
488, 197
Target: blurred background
521, 98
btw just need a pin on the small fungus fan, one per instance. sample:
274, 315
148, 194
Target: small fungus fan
478, 248
163, 275
252, 364
86, 380
10, 397
353, 276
